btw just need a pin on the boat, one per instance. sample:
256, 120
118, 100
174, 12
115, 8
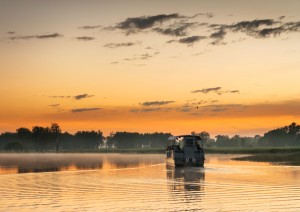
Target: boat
185, 150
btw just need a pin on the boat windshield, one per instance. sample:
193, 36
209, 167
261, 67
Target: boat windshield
189, 142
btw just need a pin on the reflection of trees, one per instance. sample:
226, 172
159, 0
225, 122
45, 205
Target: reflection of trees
52, 162
185, 179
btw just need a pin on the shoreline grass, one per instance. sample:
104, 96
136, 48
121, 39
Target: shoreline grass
278, 158
214, 150
278, 155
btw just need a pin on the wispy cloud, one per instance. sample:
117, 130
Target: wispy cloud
156, 103
82, 96
54, 105
208, 90
116, 45
132, 25
80, 110
60, 97
85, 38
217, 90
44, 36
258, 28
176, 29
87, 27
218, 37
144, 56
146, 110
191, 40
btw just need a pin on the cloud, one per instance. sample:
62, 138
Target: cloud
85, 38
146, 110
87, 27
262, 28
220, 109
176, 29
217, 90
115, 62
258, 28
54, 105
208, 15
218, 36
80, 110
60, 97
250, 26
11, 32
136, 24
132, 25
82, 96
145, 56
284, 28
190, 40
116, 45
54, 35
27, 37
150, 110
171, 41
185, 108
208, 90
156, 103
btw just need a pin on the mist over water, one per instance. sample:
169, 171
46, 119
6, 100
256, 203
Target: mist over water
135, 182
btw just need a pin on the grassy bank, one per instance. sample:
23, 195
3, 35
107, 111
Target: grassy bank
280, 158
252, 150
281, 155
215, 150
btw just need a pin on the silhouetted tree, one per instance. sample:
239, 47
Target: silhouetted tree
41, 137
88, 139
25, 137
222, 141
14, 146
55, 132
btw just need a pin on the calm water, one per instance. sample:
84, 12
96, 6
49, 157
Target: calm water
133, 182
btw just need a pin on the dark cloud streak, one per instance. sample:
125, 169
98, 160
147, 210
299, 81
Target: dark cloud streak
191, 40
27, 37
117, 45
85, 38
88, 27
82, 96
156, 103
80, 110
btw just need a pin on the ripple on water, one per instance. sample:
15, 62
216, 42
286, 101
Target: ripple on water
148, 185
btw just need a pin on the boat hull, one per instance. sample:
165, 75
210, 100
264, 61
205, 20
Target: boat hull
180, 159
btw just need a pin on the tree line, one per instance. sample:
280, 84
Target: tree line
53, 139
287, 136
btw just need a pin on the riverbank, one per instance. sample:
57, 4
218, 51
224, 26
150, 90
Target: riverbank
284, 158
215, 150
280, 155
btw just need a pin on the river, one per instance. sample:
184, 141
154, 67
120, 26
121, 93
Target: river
143, 182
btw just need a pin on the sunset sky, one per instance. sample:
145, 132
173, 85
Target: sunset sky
226, 67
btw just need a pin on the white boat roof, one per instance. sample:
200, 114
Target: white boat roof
172, 138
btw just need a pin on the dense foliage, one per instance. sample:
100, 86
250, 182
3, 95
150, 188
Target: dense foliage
53, 139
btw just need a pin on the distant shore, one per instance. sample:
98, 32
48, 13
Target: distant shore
279, 155
214, 150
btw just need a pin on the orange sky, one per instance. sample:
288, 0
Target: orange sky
227, 67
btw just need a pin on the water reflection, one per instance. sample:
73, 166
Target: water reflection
146, 185
185, 178
52, 162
